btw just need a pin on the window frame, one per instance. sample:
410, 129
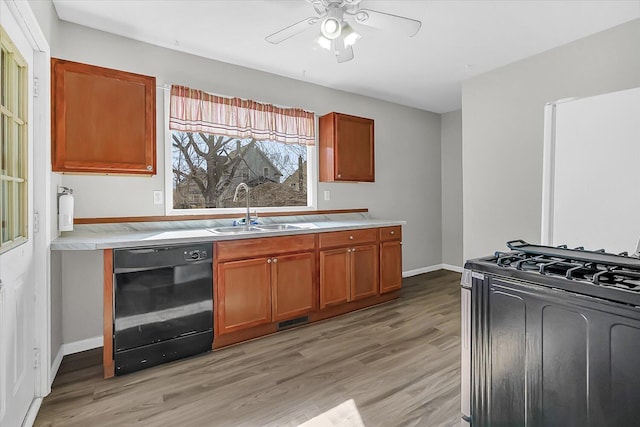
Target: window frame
16, 112
312, 178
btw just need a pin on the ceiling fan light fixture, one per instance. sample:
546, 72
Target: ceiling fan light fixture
331, 28
350, 35
323, 42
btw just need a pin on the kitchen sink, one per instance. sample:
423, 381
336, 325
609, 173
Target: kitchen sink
239, 229
278, 227
235, 229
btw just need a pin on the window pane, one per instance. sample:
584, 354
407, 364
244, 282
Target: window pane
18, 138
3, 76
207, 169
6, 154
15, 168
3, 147
4, 211
14, 78
18, 211
21, 110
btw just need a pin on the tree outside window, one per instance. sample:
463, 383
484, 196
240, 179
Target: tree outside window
207, 168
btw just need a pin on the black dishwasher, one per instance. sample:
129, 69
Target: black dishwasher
163, 304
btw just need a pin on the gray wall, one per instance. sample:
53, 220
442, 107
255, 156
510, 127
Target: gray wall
408, 175
451, 161
81, 295
56, 304
503, 130
407, 140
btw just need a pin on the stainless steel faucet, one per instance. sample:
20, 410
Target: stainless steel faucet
247, 218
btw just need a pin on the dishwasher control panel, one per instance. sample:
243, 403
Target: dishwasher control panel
195, 255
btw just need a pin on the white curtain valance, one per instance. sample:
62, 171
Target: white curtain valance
193, 110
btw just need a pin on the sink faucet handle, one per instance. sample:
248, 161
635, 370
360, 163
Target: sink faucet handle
254, 219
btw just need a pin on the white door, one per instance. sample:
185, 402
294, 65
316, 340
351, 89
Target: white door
17, 330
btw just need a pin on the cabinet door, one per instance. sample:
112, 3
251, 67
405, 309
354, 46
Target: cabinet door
354, 149
244, 297
346, 150
364, 271
292, 287
335, 276
103, 120
390, 266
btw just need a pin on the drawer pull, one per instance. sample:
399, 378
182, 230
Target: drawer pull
350, 237
393, 232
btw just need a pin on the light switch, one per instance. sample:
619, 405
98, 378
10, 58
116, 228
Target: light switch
157, 198
327, 195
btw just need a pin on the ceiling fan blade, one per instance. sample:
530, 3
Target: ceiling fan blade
388, 22
292, 30
343, 54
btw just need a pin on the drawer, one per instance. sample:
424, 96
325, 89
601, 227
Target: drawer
265, 246
350, 237
390, 233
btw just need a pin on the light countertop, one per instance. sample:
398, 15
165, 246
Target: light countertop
86, 239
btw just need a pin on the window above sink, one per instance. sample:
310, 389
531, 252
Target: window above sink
210, 157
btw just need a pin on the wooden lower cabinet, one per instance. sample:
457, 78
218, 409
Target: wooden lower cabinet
292, 285
263, 290
390, 266
284, 278
348, 274
244, 294
335, 276
364, 271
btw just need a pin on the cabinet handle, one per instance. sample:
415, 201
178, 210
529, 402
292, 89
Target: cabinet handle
149, 167
393, 232
348, 250
269, 261
400, 243
350, 237
339, 175
275, 260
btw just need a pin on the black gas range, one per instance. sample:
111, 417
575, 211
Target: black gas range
550, 337
614, 277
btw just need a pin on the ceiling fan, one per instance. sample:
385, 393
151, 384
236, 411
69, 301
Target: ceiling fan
336, 34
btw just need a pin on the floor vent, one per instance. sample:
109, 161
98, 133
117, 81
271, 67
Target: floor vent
293, 322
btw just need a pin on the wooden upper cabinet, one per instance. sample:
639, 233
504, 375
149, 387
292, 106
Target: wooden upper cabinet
102, 120
346, 148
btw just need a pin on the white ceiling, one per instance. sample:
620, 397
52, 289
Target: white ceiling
458, 39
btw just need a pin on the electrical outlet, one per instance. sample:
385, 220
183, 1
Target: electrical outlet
157, 198
327, 195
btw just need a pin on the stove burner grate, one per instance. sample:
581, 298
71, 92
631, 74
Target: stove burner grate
597, 273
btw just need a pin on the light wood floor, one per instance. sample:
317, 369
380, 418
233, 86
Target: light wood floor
399, 362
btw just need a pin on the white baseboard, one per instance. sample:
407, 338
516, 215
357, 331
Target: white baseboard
32, 413
56, 365
422, 270
452, 268
431, 268
82, 345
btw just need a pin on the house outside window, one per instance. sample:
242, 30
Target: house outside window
210, 157
207, 168
13, 148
